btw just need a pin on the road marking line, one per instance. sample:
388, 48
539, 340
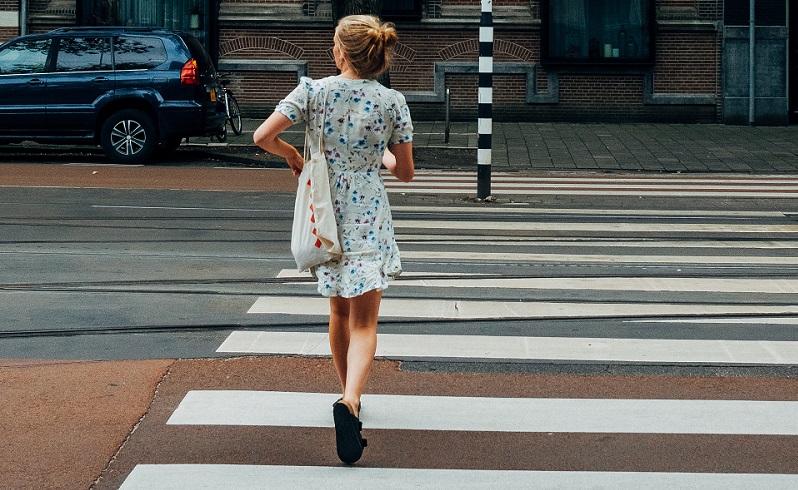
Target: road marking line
405, 346
543, 241
669, 213
474, 310
151, 476
483, 414
613, 226
430, 255
712, 285
511, 177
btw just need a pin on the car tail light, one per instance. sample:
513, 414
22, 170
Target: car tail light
189, 74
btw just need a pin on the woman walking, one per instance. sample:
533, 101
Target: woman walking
360, 120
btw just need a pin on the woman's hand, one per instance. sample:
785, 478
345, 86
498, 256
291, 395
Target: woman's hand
266, 137
400, 161
389, 160
295, 163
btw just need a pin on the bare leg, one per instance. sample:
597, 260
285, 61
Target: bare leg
354, 347
339, 336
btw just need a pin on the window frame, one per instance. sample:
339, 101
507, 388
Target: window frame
590, 63
398, 14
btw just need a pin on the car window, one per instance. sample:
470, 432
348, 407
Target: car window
83, 54
25, 56
138, 53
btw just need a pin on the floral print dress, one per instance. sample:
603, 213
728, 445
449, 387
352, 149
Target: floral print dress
360, 118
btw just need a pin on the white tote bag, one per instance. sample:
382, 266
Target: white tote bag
314, 234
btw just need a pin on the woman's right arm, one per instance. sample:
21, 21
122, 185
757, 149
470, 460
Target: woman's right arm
399, 161
266, 137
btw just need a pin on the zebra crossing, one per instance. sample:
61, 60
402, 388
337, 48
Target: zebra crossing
715, 268
688, 185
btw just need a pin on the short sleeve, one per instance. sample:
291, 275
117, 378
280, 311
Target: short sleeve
295, 105
403, 124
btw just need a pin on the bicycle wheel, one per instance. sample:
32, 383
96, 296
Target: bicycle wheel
234, 115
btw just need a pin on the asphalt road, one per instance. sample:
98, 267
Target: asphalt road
93, 252
168, 264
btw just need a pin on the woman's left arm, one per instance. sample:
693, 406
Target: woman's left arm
399, 161
267, 137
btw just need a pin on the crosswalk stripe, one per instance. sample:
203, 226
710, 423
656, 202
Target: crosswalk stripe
450, 309
672, 351
513, 210
155, 476
604, 226
703, 284
428, 255
686, 186
545, 241
482, 414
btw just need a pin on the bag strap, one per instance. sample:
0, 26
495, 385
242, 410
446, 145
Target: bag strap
306, 149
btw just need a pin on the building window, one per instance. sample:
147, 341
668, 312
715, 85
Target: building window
766, 12
594, 32
401, 10
181, 15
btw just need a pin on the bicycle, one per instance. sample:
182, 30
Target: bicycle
231, 109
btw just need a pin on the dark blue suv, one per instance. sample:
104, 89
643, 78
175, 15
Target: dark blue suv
130, 90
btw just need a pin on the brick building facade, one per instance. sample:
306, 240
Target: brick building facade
548, 64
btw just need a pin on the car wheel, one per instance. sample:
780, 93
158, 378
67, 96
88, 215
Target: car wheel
128, 137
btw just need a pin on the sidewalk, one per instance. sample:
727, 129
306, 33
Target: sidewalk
535, 147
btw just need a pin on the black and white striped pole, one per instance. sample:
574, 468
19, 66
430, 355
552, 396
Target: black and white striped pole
485, 100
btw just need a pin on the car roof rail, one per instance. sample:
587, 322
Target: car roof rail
110, 28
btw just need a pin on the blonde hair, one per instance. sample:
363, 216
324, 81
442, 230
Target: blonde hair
367, 43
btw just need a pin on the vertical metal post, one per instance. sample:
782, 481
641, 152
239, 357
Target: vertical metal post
446, 130
485, 107
23, 17
751, 63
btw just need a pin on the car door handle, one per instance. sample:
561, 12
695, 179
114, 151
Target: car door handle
34, 81
100, 80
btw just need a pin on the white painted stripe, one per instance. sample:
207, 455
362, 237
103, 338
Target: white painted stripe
245, 477
712, 285
514, 184
725, 285
512, 241
499, 190
485, 96
448, 180
403, 346
485, 64
483, 158
606, 226
767, 320
504, 210
636, 188
428, 255
484, 125
485, 34
548, 177
481, 414
448, 309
